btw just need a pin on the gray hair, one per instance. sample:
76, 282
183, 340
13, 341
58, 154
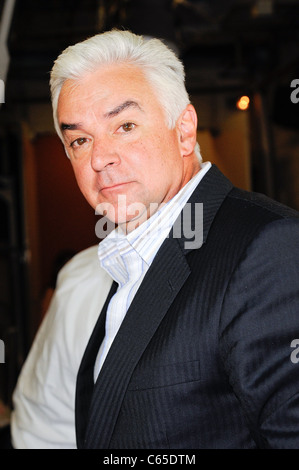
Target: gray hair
162, 68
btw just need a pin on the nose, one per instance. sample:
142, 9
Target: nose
103, 155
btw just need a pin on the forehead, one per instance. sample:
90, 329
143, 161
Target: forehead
106, 87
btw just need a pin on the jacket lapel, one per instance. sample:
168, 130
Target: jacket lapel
85, 378
210, 192
167, 274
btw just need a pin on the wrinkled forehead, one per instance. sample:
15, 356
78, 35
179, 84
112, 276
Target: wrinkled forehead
106, 89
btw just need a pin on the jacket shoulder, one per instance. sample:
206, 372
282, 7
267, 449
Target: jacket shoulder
261, 204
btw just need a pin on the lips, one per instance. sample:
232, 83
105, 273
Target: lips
114, 187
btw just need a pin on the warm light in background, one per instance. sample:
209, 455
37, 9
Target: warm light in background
243, 103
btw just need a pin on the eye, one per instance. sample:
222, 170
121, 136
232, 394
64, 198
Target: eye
128, 126
78, 142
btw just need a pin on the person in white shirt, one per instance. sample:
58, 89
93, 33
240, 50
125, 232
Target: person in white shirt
44, 398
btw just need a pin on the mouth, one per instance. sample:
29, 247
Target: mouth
114, 187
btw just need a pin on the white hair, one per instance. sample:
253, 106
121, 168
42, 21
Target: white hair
162, 68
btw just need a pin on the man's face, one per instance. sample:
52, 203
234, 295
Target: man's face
120, 148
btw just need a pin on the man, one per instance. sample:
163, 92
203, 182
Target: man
194, 346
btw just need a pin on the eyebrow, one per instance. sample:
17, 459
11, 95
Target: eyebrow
125, 105
69, 127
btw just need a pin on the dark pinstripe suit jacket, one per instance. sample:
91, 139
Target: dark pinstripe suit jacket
203, 357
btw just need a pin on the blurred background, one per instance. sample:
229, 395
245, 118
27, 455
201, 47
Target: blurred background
230, 48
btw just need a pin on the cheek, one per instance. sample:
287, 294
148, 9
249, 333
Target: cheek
157, 163
150, 156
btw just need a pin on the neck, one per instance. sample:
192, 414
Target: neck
131, 225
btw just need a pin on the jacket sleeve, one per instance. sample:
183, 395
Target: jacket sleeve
259, 335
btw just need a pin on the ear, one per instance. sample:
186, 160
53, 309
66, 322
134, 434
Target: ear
187, 128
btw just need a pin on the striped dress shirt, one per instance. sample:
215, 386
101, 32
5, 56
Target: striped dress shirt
127, 257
